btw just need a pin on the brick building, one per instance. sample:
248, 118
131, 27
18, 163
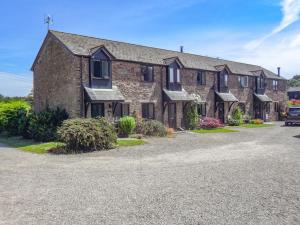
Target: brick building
96, 77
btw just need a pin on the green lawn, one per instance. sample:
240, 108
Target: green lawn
29, 145
214, 130
256, 125
130, 142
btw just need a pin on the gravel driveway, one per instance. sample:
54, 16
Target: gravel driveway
248, 177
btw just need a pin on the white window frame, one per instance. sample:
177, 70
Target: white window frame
178, 75
171, 75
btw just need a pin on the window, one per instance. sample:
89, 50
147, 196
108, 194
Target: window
148, 110
260, 82
148, 73
275, 85
201, 109
101, 68
171, 75
201, 78
120, 109
242, 106
243, 80
226, 80
97, 110
178, 76
276, 106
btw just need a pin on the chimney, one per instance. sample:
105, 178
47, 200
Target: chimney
278, 73
181, 49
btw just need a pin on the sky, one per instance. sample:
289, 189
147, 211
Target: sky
261, 32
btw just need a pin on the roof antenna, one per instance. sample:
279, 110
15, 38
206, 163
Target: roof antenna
48, 20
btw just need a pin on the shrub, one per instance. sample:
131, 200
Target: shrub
257, 121
126, 125
151, 128
233, 122
43, 125
82, 135
208, 123
237, 114
11, 115
246, 118
191, 119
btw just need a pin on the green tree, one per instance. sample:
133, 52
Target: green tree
294, 82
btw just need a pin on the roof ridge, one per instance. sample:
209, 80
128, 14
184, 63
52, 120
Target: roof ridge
140, 45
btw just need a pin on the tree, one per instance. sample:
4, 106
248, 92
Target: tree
294, 82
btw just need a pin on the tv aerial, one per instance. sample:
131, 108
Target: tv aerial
48, 20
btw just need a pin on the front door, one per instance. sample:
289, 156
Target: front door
258, 111
221, 112
172, 115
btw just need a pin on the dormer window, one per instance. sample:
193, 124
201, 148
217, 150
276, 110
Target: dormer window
260, 82
101, 68
148, 73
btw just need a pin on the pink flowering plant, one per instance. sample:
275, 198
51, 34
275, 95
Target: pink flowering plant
209, 123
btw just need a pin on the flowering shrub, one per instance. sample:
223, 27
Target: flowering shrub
257, 121
209, 122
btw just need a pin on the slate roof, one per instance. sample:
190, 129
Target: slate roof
293, 89
177, 95
113, 94
83, 45
263, 98
227, 97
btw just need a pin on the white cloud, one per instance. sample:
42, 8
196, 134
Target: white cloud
291, 11
15, 85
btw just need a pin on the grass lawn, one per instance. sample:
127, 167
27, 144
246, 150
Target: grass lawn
214, 130
130, 142
29, 145
256, 125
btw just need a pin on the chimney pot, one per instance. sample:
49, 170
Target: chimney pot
278, 73
181, 49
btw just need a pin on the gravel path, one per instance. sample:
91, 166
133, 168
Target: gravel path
248, 177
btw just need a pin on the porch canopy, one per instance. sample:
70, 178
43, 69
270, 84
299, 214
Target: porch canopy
97, 95
182, 95
263, 98
227, 97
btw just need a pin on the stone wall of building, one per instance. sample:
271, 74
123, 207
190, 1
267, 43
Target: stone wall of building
57, 79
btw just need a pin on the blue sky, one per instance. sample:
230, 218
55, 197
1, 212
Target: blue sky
263, 32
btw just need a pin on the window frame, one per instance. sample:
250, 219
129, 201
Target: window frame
145, 73
98, 114
275, 85
147, 105
243, 81
121, 109
202, 76
201, 109
173, 77
101, 75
